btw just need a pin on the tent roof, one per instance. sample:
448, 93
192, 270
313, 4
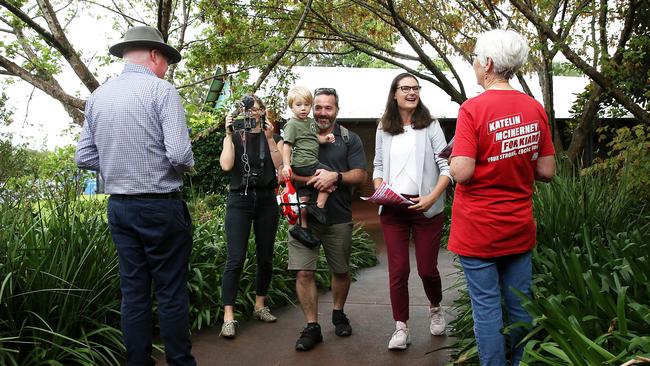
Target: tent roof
363, 91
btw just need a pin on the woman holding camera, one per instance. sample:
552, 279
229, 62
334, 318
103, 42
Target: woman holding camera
251, 151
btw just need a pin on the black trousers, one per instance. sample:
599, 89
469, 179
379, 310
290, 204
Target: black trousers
154, 242
258, 209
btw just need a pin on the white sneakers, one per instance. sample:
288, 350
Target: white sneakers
400, 338
438, 324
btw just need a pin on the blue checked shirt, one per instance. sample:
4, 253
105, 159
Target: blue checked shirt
135, 134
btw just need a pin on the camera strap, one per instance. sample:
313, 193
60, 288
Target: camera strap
262, 149
244, 138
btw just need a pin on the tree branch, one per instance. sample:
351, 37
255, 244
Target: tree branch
185, 7
64, 46
44, 85
209, 78
445, 85
575, 59
127, 18
439, 74
47, 36
29, 103
57, 39
350, 38
524, 84
278, 56
359, 47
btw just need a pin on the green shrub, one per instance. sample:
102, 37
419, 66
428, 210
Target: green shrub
59, 299
207, 143
628, 157
591, 281
591, 275
59, 279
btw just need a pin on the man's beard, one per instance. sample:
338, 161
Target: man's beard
324, 124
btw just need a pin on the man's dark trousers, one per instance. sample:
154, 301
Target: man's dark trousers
154, 241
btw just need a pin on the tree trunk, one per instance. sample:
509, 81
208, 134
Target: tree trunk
546, 83
164, 18
587, 123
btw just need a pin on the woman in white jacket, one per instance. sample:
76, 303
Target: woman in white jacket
406, 146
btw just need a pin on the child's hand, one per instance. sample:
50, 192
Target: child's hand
286, 172
330, 138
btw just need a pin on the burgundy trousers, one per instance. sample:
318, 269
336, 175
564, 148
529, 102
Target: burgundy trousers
398, 224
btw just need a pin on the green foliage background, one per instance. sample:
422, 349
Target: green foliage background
207, 144
590, 274
59, 281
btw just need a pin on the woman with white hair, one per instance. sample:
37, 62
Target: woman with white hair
502, 145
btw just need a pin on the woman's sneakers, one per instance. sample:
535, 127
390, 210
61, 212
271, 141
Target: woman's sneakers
400, 338
438, 324
264, 314
228, 329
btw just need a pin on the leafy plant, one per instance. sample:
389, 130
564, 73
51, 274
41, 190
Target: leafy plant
59, 298
628, 157
59, 281
590, 275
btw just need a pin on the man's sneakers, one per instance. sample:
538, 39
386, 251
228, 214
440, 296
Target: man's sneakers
304, 236
400, 339
438, 324
309, 337
341, 323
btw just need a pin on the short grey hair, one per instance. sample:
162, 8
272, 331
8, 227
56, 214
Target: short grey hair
507, 49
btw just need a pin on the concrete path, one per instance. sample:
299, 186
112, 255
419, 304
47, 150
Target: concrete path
368, 308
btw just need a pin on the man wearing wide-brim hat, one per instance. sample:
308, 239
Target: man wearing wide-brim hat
135, 135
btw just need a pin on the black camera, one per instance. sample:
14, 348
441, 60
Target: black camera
245, 121
252, 177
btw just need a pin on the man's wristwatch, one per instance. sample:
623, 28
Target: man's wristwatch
339, 178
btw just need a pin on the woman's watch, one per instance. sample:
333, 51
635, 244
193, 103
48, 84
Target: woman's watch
339, 178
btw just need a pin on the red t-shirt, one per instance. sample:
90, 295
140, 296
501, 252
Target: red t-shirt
505, 131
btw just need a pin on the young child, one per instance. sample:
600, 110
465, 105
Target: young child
300, 157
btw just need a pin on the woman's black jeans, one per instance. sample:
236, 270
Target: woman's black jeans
258, 208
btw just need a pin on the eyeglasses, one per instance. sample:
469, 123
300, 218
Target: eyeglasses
326, 91
406, 88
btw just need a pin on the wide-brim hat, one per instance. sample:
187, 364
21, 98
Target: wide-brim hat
148, 37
